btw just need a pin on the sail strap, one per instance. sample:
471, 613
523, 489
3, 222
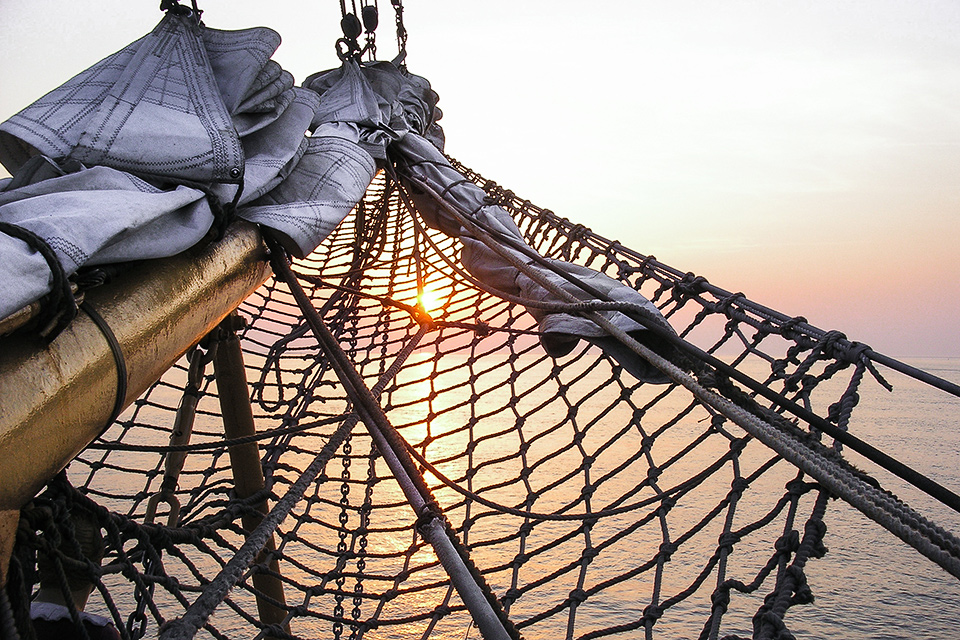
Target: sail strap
58, 308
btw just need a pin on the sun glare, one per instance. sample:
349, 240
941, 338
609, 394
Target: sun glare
430, 299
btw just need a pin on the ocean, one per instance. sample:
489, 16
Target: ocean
869, 585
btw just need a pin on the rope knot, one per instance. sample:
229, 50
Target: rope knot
666, 504
834, 345
427, 514
689, 286
739, 485
726, 540
787, 543
816, 529
667, 549
653, 473
775, 623
512, 595
645, 264
797, 487
724, 305
779, 368
653, 612
720, 599
578, 596
789, 328
763, 330
738, 445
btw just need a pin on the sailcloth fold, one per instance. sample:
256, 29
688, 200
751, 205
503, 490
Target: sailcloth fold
115, 164
393, 115
91, 217
161, 87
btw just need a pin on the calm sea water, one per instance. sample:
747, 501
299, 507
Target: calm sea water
870, 585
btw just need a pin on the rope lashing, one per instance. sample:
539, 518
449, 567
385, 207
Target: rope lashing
118, 360
58, 308
502, 421
886, 461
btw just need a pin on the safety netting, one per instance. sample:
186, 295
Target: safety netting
434, 445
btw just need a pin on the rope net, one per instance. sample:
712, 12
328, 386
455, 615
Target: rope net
587, 504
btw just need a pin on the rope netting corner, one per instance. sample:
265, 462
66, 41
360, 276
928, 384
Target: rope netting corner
588, 504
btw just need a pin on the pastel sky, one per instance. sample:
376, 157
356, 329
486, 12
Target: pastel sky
804, 153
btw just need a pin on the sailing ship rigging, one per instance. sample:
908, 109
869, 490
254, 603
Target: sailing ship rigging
579, 441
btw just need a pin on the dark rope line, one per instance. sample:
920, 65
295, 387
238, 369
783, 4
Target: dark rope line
58, 308
414, 312
454, 404
663, 495
648, 263
118, 360
372, 415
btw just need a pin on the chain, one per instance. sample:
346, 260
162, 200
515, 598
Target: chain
365, 511
180, 435
401, 34
342, 544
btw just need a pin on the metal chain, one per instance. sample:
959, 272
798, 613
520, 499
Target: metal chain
401, 34
342, 544
365, 510
180, 435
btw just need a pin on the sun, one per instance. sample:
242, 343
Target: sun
430, 299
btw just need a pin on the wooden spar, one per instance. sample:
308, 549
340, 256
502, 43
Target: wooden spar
57, 399
234, 394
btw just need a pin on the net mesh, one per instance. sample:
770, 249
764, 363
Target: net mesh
592, 505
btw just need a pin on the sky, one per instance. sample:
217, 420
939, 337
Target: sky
805, 153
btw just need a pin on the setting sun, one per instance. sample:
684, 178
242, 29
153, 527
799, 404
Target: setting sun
430, 299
